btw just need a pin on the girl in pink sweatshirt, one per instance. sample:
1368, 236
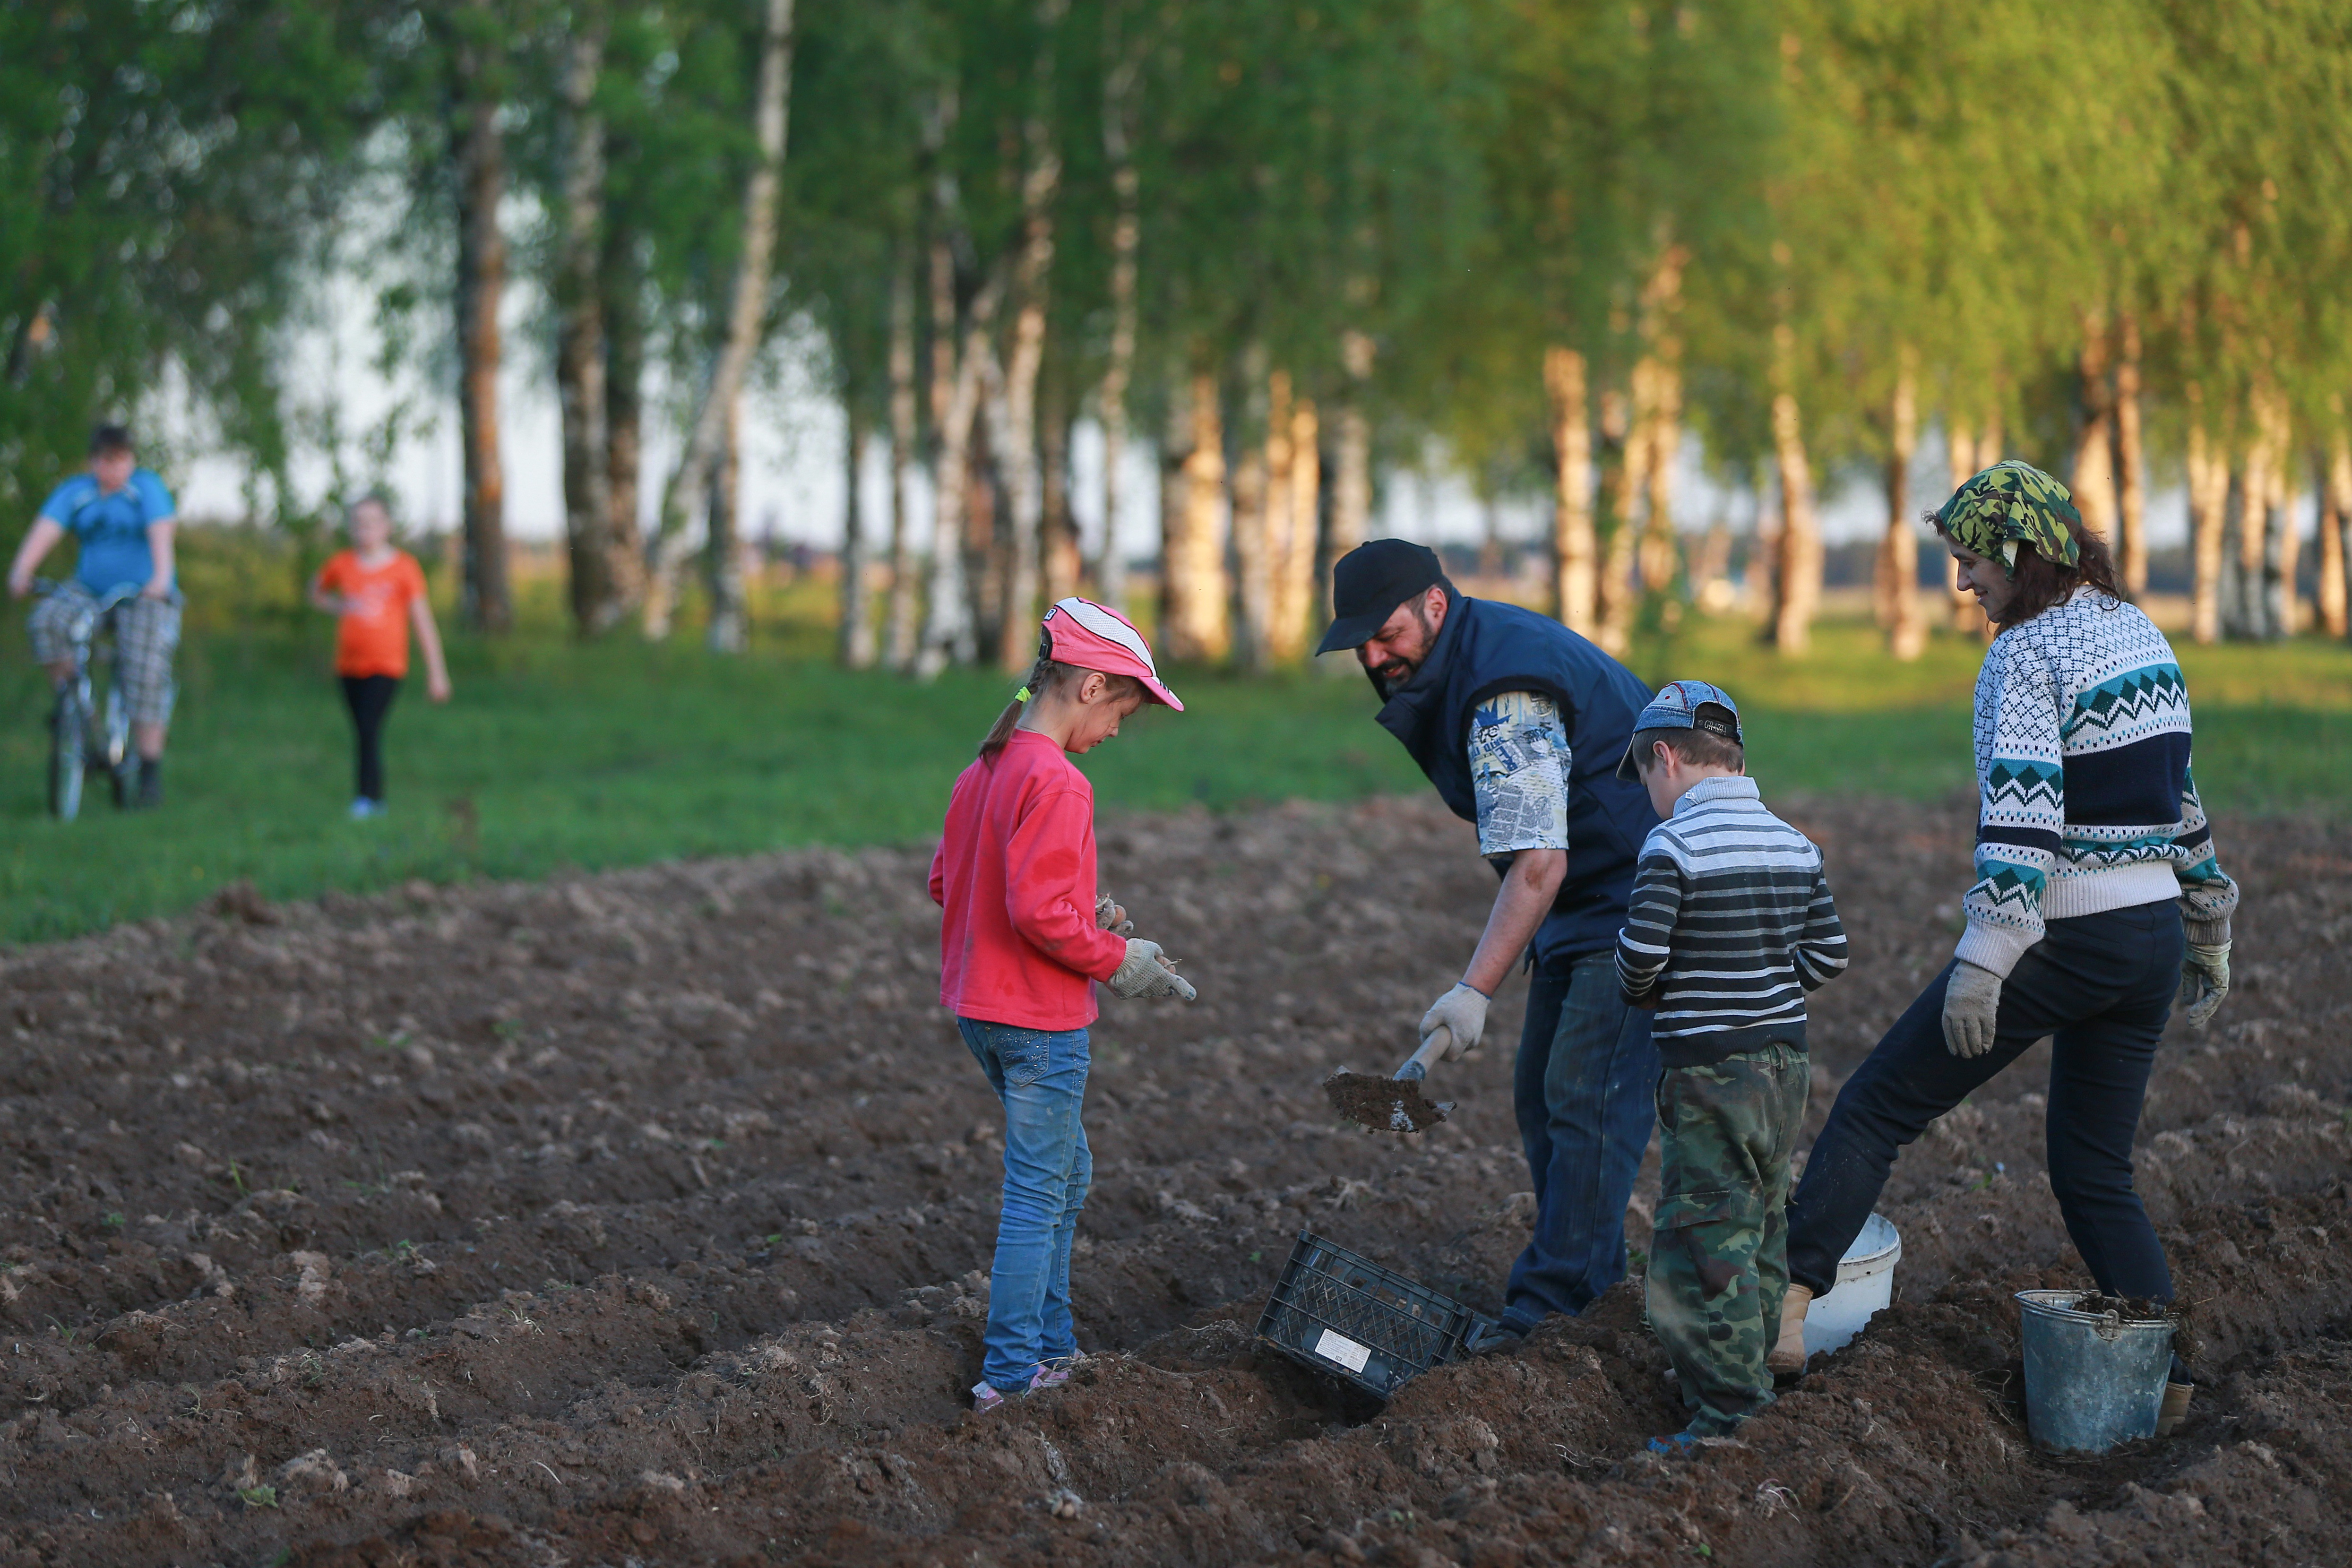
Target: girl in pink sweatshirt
1025, 935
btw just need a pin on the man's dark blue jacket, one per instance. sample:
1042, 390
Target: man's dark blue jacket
1486, 648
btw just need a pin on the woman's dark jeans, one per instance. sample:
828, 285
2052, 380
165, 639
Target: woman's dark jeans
2102, 986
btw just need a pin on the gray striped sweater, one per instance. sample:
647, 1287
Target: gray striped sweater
1730, 925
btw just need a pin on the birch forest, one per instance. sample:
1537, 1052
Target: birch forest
1274, 247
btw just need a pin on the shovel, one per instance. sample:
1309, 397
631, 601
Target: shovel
1393, 1104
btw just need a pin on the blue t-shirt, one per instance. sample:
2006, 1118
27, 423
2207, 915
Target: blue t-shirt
112, 528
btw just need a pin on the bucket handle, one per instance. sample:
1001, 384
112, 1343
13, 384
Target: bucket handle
2110, 1326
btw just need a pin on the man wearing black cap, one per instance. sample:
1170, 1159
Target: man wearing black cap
1520, 722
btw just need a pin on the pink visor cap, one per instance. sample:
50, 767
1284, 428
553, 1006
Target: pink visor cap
1081, 632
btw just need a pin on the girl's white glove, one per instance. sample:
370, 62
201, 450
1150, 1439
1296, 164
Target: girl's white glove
1462, 1010
1109, 917
1970, 1002
1147, 973
2204, 980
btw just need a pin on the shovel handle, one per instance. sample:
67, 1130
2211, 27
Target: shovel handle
1416, 1065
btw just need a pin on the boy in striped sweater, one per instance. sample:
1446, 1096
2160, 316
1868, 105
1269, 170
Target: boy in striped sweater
1730, 925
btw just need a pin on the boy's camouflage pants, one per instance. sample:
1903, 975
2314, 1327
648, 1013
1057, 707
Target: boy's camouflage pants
1720, 1259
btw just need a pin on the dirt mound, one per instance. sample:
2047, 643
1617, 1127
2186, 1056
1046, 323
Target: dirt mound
646, 1218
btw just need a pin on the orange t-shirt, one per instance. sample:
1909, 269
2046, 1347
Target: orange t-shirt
371, 636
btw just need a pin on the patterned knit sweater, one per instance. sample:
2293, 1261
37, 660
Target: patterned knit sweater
2087, 803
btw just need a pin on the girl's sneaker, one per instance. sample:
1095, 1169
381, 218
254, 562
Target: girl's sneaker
986, 1397
363, 808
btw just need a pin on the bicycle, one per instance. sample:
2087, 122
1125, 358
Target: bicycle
84, 735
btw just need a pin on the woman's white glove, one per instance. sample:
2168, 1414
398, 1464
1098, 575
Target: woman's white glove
1970, 1002
1146, 973
1462, 1010
2204, 980
1109, 917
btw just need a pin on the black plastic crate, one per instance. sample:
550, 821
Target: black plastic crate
1344, 1315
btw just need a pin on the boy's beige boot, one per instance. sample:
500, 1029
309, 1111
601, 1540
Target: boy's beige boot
2175, 1409
1788, 1356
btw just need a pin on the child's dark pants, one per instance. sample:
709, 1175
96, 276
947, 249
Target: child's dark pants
2101, 986
369, 698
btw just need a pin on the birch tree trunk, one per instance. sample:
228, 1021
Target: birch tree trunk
1966, 455
580, 339
1660, 548
1039, 185
948, 630
484, 601
1575, 562
2093, 479
1061, 563
722, 539
2208, 486
856, 640
1624, 448
1125, 237
1801, 538
987, 542
2336, 529
1294, 569
1266, 407
900, 639
2253, 613
2282, 545
686, 496
1905, 619
2131, 461
621, 288
1193, 593
1352, 477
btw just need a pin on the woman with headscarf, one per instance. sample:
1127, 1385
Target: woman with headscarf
2098, 903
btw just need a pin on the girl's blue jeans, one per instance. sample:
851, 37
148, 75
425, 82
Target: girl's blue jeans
1041, 1077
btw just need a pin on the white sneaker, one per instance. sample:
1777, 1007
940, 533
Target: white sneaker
363, 808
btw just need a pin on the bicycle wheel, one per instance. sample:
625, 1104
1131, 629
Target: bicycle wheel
68, 756
113, 753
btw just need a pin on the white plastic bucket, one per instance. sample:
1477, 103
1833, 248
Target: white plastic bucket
1865, 1282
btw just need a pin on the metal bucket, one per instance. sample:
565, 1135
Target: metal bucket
2091, 1380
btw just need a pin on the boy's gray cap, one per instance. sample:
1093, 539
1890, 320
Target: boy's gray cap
1685, 705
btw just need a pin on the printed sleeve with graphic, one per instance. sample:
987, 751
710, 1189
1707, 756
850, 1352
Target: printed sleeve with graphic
1820, 953
2208, 896
2022, 808
1518, 769
1647, 940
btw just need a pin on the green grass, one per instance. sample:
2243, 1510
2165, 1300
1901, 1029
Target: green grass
558, 755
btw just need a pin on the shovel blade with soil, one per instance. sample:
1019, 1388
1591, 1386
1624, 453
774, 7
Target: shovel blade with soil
1392, 1104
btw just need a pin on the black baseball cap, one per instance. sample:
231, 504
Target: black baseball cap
1370, 581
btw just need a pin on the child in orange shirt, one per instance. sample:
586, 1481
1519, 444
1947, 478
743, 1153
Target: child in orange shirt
377, 593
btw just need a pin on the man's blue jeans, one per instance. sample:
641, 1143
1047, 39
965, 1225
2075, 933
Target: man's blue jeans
1587, 1074
1041, 1077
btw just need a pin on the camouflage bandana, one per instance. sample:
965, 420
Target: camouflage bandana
2009, 504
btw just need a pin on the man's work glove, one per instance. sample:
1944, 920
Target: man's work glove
2204, 978
1109, 917
1971, 1000
1146, 973
1462, 1010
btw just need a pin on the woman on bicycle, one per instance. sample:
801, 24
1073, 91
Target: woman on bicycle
2097, 898
377, 593
125, 518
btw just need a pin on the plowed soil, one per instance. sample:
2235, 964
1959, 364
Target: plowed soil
645, 1218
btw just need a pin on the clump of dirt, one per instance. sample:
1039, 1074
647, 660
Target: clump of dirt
1383, 1104
647, 1218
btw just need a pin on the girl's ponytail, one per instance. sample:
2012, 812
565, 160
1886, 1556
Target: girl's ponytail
1040, 674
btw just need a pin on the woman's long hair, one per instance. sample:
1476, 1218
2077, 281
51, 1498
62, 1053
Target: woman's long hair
2041, 581
1046, 675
